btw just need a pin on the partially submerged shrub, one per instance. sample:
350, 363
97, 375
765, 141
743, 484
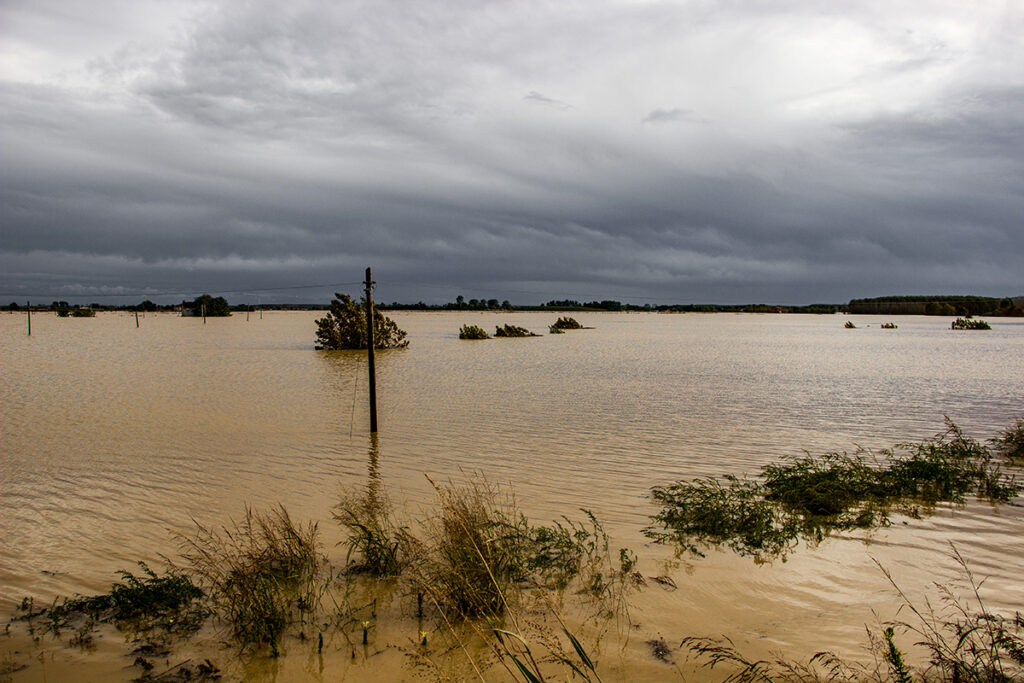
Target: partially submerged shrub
258, 571
889, 326
555, 330
811, 496
344, 327
512, 331
969, 324
849, 325
567, 323
472, 332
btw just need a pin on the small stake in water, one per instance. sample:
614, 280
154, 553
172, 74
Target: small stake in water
204, 313
28, 312
366, 629
136, 317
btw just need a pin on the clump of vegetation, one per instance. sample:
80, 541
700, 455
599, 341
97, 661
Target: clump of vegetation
137, 603
472, 332
964, 641
969, 323
344, 327
889, 326
849, 325
809, 497
212, 307
478, 560
479, 548
258, 572
512, 331
377, 545
1010, 442
567, 323
555, 330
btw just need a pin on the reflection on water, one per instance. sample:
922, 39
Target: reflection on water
113, 435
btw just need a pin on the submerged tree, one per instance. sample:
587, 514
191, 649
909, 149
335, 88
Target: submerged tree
344, 327
215, 307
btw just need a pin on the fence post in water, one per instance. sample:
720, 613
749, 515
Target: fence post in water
204, 313
136, 317
28, 312
369, 347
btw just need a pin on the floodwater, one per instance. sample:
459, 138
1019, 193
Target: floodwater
113, 438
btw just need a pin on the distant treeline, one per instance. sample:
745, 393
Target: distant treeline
461, 304
949, 305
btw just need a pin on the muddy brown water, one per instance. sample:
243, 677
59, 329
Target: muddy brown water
114, 437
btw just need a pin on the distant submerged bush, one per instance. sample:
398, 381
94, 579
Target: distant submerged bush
969, 324
214, 307
344, 327
473, 332
512, 331
888, 326
849, 325
567, 323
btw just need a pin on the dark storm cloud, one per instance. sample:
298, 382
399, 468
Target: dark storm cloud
820, 155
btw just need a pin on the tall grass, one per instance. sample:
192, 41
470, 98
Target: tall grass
259, 570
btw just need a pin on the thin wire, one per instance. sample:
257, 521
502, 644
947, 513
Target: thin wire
197, 289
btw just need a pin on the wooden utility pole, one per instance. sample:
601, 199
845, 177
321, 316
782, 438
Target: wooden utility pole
369, 348
28, 312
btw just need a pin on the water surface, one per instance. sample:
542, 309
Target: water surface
113, 437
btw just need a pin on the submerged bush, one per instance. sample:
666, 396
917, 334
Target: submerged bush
567, 323
472, 332
512, 331
969, 323
809, 497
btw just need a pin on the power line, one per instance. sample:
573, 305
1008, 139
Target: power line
188, 291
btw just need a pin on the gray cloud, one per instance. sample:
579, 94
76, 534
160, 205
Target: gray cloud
840, 153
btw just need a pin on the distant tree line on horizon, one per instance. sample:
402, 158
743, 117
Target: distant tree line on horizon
944, 305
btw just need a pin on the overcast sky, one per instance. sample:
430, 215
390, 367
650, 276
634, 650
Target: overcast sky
662, 152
